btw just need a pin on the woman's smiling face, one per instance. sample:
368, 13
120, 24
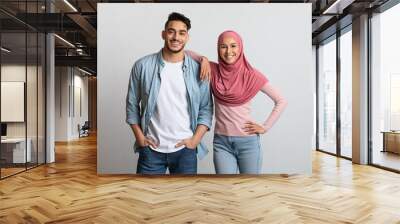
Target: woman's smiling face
229, 50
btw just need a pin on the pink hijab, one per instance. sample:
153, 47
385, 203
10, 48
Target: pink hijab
235, 84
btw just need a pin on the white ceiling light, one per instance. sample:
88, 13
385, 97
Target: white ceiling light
70, 5
338, 6
65, 41
86, 72
5, 50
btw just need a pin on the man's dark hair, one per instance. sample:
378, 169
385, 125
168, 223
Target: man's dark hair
178, 17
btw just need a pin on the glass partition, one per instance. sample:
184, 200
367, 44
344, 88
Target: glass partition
22, 78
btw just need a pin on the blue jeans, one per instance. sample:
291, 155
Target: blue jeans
237, 153
183, 161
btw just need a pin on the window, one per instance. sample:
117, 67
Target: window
327, 96
385, 89
346, 75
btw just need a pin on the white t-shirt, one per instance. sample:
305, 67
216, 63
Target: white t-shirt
170, 122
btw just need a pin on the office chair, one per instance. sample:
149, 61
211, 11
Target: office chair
84, 130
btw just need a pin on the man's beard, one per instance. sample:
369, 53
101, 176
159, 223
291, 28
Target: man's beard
174, 51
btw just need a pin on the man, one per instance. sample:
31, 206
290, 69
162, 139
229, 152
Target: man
168, 107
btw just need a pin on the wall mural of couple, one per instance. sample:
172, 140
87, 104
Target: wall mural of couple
226, 93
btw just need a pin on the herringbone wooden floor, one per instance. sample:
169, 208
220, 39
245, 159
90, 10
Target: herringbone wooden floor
70, 191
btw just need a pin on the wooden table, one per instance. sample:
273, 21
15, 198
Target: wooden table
13, 150
391, 141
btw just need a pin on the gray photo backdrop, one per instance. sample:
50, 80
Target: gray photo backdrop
277, 41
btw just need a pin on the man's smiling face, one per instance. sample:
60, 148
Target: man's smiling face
175, 36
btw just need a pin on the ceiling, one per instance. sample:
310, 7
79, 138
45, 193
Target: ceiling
76, 22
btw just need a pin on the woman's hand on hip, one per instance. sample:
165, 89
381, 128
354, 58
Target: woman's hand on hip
253, 128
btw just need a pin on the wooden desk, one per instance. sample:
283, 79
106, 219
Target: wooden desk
13, 150
391, 141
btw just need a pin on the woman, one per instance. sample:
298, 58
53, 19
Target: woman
234, 84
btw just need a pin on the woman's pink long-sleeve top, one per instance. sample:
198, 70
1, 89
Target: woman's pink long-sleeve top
230, 120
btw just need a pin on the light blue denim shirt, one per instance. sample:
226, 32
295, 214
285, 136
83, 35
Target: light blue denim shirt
144, 85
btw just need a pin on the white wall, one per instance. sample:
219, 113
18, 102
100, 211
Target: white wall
80, 84
17, 73
277, 41
12, 99
62, 80
68, 81
314, 73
